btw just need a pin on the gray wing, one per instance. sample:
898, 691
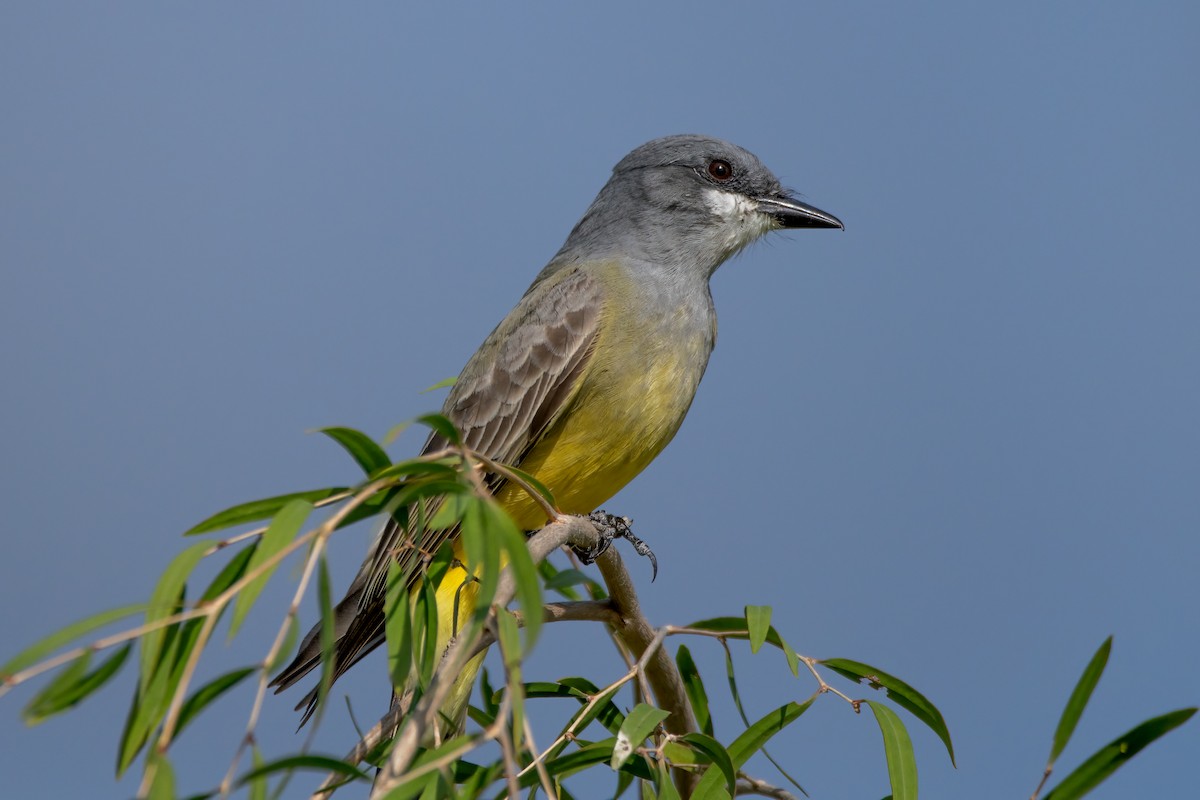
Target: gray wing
514, 388
521, 377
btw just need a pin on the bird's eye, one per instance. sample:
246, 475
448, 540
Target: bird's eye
720, 170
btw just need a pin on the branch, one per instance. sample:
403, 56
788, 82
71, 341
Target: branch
747, 785
661, 673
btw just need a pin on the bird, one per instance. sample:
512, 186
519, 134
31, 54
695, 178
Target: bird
591, 374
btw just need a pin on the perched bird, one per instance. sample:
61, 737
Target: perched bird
589, 377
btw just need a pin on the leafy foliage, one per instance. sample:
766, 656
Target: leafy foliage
668, 742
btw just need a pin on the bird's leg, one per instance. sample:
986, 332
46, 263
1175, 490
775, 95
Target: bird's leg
610, 527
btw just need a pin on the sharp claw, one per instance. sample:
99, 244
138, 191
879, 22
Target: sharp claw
610, 527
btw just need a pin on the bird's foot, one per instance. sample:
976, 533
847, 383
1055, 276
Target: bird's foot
610, 527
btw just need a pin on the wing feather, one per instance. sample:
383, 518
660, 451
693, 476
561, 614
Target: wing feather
510, 393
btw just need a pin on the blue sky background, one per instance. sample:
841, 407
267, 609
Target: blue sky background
959, 441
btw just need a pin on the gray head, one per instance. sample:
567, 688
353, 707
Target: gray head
686, 202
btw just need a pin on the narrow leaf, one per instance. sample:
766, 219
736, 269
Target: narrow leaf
491, 705
666, 787
897, 746
362, 448
442, 384
165, 601
280, 533
758, 622
586, 756
752, 741
1079, 699
163, 785
72, 686
427, 621
510, 649
736, 628
717, 754
603, 710
561, 579
306, 762
327, 634
398, 626
529, 586
1112, 756
258, 786
257, 510
899, 692
231, 573
638, 724
758, 734
535, 484
694, 687
76, 630
208, 693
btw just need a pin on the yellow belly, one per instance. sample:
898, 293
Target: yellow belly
626, 412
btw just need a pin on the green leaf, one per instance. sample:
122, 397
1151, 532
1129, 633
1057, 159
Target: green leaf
327, 634
306, 762
258, 786
899, 692
563, 578
1112, 756
758, 622
442, 384
280, 533
257, 510
165, 601
208, 693
163, 785
398, 626
736, 628
416, 469
694, 687
731, 677
587, 756
482, 550
752, 741
432, 785
902, 764
716, 753
491, 706
72, 686
510, 649
1079, 700
76, 630
604, 710
758, 734
637, 726
362, 448
426, 623
230, 574
149, 704
535, 484
529, 586
666, 787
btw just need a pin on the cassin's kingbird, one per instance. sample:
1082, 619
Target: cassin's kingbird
590, 376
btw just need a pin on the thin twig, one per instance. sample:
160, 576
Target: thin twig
747, 785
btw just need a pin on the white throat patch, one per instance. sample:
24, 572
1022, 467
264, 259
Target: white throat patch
740, 220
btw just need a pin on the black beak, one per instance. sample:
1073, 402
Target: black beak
791, 213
